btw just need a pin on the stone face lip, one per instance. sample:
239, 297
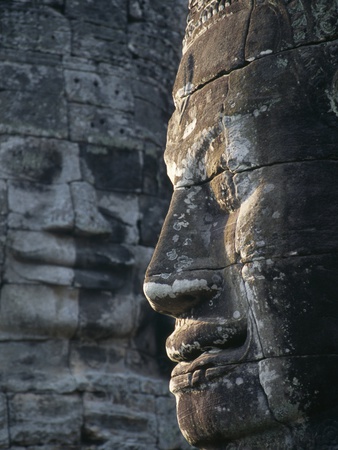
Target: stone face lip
247, 257
35, 257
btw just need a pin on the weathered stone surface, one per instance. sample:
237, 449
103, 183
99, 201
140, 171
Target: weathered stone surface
292, 299
45, 418
100, 89
35, 366
4, 438
122, 211
88, 219
38, 312
153, 217
36, 206
109, 14
103, 315
36, 28
106, 419
106, 167
230, 133
30, 86
100, 43
84, 100
168, 431
247, 258
216, 50
94, 365
47, 161
101, 126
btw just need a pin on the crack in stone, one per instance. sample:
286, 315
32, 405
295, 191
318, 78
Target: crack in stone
252, 169
246, 63
249, 261
279, 163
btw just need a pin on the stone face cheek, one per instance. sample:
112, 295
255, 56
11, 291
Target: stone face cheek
247, 257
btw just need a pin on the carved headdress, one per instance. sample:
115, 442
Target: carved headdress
203, 13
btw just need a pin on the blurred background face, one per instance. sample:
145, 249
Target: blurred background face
64, 237
247, 259
84, 101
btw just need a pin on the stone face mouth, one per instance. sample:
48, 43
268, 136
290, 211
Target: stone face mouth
206, 350
40, 257
192, 338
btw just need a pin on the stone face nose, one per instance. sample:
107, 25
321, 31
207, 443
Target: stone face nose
192, 237
179, 293
88, 219
186, 265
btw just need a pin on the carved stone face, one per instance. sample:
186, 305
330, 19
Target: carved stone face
247, 260
65, 223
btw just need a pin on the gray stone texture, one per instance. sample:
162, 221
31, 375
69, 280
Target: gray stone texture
85, 97
247, 259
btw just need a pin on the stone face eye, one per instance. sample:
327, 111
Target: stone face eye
31, 162
224, 191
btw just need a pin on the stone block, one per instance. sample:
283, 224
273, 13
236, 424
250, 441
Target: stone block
26, 273
122, 211
150, 121
88, 219
35, 206
114, 168
102, 126
39, 160
35, 366
34, 28
32, 101
45, 418
104, 419
294, 291
38, 312
218, 49
100, 89
99, 43
4, 431
48, 118
265, 197
110, 13
22, 76
103, 315
94, 365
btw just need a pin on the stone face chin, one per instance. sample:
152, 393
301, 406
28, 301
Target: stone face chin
247, 260
274, 401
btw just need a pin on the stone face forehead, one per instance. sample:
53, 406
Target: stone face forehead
224, 35
228, 122
203, 15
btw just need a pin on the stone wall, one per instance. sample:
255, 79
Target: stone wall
85, 95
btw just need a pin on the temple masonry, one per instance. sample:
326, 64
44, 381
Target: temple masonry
85, 96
